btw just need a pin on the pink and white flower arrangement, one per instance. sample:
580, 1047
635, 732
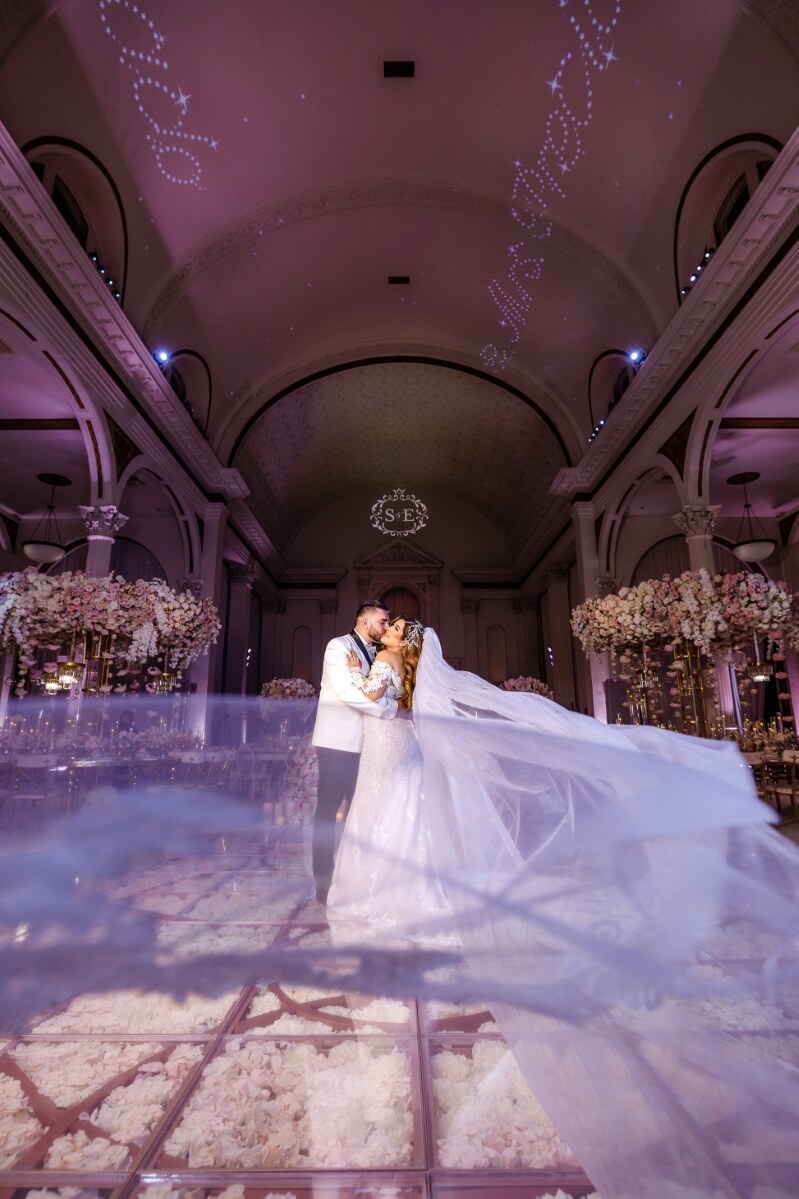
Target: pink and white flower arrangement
127, 623
299, 785
708, 611
527, 684
287, 689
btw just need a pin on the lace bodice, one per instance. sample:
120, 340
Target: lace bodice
381, 673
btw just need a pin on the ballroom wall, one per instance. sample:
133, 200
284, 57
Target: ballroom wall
459, 567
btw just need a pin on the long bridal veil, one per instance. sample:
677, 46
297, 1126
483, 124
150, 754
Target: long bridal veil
618, 900
619, 892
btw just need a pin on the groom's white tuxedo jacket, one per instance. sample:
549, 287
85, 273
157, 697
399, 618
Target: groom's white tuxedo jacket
342, 704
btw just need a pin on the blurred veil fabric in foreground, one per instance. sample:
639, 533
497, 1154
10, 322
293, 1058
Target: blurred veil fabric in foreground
617, 898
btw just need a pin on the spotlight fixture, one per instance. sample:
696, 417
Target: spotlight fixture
636, 357
755, 544
161, 357
44, 547
706, 256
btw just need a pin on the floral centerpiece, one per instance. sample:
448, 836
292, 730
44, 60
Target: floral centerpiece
529, 684
298, 789
104, 629
708, 611
287, 689
691, 618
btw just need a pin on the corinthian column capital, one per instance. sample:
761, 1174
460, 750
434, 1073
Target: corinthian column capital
696, 520
558, 572
242, 573
102, 521
606, 586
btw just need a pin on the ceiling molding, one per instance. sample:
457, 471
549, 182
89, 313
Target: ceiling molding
295, 210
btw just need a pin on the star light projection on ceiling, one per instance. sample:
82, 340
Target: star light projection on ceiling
536, 186
174, 147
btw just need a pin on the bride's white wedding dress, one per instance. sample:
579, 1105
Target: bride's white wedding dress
385, 868
625, 908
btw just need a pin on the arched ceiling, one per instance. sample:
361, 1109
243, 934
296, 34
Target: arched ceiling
759, 431
39, 432
406, 424
272, 179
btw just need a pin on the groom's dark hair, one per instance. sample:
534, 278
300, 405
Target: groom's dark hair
369, 606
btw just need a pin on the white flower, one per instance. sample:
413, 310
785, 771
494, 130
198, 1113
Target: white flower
69, 1072
19, 1128
487, 1116
266, 1104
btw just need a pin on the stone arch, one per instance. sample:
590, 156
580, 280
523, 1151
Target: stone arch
704, 194
86, 182
710, 413
617, 509
144, 489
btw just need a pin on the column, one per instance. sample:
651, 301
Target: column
696, 523
600, 665
789, 570
102, 522
242, 577
471, 657
266, 666
328, 608
560, 632
521, 655
591, 584
281, 658
433, 596
532, 621
206, 673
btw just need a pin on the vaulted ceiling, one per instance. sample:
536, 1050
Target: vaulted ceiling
272, 179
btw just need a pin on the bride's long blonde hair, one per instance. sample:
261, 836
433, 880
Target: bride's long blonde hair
410, 651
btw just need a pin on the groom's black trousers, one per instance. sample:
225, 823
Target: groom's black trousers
338, 774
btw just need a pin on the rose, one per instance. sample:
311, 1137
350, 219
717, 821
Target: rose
121, 622
287, 689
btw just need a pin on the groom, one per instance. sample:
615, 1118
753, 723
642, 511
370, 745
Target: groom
338, 732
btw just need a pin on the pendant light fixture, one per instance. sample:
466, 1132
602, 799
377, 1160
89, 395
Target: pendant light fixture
752, 544
44, 546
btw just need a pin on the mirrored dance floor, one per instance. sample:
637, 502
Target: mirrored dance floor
269, 1090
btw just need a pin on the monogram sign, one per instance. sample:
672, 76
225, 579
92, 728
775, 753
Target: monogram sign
398, 514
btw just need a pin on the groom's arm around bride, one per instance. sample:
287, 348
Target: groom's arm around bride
338, 732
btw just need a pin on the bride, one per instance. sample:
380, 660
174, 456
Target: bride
619, 892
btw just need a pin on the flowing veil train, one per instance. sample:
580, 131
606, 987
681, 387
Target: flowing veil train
626, 881
618, 898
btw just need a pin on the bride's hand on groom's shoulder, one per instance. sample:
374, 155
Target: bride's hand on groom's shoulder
353, 659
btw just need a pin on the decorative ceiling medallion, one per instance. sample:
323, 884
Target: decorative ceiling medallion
399, 514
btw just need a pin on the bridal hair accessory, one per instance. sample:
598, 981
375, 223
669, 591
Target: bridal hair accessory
414, 631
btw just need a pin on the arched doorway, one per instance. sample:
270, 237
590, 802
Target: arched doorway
401, 601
